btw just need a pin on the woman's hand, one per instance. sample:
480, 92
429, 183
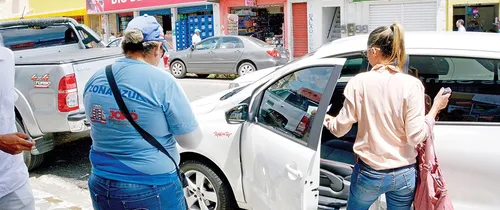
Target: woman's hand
327, 120
441, 101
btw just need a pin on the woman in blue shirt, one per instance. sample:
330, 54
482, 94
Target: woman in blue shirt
127, 171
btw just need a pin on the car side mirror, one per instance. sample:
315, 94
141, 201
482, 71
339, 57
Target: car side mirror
192, 48
237, 114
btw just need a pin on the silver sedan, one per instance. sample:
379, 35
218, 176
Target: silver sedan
226, 55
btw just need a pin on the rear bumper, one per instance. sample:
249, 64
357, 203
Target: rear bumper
77, 122
271, 63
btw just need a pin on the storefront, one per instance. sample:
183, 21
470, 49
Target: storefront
478, 16
262, 19
179, 18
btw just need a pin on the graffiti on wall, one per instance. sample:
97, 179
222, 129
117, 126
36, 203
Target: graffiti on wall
310, 25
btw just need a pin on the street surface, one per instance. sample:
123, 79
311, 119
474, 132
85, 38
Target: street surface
61, 181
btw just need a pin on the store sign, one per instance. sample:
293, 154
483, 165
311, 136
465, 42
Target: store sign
100, 6
232, 24
250, 3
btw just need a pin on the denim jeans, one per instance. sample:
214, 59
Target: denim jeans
115, 195
367, 184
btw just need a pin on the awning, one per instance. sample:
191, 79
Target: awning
67, 13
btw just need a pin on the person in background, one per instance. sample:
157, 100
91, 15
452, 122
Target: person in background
127, 171
195, 39
15, 190
460, 25
112, 37
389, 107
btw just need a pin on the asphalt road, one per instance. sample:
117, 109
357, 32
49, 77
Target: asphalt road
70, 161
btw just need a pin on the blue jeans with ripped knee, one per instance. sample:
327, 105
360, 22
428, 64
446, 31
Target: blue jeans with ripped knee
367, 184
115, 195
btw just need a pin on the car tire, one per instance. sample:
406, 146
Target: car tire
211, 183
178, 69
31, 161
246, 68
202, 75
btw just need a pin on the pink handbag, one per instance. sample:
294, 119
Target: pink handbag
431, 193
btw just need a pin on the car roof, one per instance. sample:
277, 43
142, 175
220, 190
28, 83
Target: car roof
468, 41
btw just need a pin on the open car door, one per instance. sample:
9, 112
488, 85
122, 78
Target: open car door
280, 139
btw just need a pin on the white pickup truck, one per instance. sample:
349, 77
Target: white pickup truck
54, 60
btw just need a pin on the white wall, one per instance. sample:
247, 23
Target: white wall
13, 8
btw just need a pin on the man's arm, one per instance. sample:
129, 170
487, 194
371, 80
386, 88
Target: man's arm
15, 143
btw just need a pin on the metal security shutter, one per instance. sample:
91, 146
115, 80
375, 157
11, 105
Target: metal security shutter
300, 42
384, 15
420, 16
414, 16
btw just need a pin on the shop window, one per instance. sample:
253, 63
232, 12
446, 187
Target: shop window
231, 43
289, 105
474, 81
207, 44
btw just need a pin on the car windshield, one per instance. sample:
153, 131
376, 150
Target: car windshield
31, 37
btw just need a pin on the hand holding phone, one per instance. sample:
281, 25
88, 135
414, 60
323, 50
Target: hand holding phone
447, 90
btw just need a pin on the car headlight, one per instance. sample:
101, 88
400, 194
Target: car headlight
233, 85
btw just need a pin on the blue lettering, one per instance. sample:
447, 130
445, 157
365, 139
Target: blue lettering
131, 94
102, 89
139, 98
108, 92
124, 93
95, 89
89, 89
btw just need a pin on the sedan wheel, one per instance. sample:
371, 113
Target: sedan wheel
206, 190
246, 68
178, 69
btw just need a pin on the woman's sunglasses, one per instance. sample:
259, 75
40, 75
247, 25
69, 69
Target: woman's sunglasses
364, 53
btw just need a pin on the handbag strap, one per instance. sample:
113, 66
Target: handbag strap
430, 149
123, 108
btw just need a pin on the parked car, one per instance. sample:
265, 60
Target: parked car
226, 55
247, 160
117, 42
55, 57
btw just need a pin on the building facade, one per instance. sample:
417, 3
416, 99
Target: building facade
179, 18
478, 15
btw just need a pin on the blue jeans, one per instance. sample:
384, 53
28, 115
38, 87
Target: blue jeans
367, 184
115, 195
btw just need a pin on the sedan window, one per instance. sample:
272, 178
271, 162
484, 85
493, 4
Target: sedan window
231, 43
207, 44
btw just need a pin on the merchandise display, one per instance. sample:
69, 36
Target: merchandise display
264, 23
187, 24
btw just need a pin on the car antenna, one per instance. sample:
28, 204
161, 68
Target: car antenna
22, 15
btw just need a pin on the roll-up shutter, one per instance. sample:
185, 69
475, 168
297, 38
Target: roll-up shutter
300, 41
414, 16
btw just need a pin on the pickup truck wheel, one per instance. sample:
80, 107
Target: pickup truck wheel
31, 161
178, 69
210, 192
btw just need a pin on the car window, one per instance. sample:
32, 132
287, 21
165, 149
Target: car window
207, 44
258, 42
354, 65
289, 105
474, 82
32, 37
231, 43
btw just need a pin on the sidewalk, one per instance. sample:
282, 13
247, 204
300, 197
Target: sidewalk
53, 193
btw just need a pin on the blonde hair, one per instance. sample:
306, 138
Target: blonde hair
133, 41
391, 42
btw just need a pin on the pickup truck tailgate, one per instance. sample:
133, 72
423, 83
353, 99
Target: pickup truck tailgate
86, 68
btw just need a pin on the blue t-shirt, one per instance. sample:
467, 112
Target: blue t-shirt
156, 102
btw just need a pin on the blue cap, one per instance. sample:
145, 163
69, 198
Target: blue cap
151, 29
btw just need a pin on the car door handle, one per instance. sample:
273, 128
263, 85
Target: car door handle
293, 174
237, 51
210, 52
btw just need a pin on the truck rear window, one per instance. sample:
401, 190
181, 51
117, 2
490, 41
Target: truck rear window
22, 38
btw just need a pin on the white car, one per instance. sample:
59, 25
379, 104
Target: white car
248, 160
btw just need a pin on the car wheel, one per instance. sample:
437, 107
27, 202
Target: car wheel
178, 69
246, 68
203, 75
210, 192
31, 161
